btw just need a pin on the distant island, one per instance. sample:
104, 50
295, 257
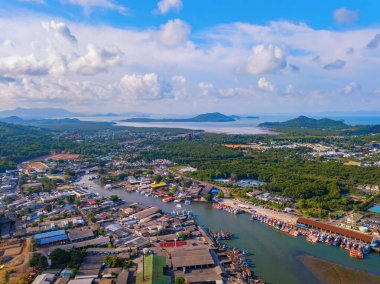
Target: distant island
207, 117
307, 122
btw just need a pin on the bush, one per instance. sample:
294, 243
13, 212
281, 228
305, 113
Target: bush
179, 280
39, 261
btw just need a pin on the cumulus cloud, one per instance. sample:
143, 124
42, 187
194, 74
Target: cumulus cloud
207, 89
90, 5
145, 87
96, 60
351, 87
335, 65
223, 50
345, 16
266, 59
61, 30
165, 6
264, 84
22, 65
374, 43
229, 92
180, 79
174, 32
179, 87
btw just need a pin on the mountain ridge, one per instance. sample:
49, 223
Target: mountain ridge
307, 122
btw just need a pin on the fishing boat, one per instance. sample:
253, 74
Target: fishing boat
366, 249
221, 235
356, 253
312, 238
168, 199
294, 233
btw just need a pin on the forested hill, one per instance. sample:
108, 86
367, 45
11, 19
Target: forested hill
307, 122
20, 142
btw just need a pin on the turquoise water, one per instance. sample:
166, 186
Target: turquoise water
375, 209
274, 254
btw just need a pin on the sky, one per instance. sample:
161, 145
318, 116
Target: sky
190, 56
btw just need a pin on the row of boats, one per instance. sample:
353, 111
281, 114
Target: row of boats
226, 208
217, 236
240, 262
356, 250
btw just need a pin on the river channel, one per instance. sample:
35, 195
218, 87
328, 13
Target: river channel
273, 254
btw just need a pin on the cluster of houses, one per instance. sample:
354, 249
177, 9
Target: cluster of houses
172, 244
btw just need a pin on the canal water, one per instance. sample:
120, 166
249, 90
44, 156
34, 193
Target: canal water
273, 254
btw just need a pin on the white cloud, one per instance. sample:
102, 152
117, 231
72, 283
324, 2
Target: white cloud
96, 60
229, 92
207, 89
351, 87
180, 79
179, 87
174, 32
90, 5
145, 87
264, 84
22, 65
61, 30
345, 16
219, 56
165, 6
266, 59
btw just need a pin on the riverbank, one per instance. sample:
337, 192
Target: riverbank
332, 273
269, 249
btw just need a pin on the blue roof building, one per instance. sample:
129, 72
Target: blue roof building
51, 237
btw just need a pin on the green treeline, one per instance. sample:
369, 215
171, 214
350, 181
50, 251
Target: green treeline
318, 186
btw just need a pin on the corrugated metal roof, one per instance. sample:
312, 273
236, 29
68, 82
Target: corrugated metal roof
153, 271
49, 234
52, 239
335, 229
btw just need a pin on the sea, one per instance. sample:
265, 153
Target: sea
241, 126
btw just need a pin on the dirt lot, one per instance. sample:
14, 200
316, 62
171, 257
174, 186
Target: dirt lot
19, 265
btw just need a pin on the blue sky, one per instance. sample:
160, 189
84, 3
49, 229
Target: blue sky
190, 56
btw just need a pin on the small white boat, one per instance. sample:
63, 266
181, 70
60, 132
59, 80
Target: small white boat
178, 206
187, 202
